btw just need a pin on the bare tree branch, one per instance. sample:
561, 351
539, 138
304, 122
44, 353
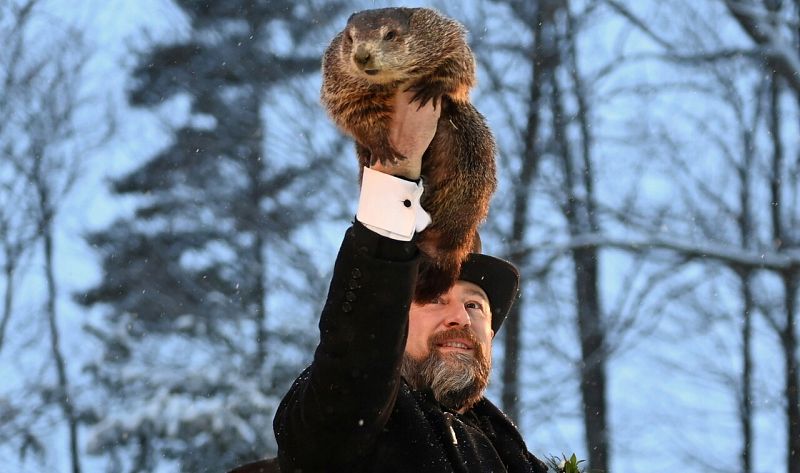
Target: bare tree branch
639, 23
778, 53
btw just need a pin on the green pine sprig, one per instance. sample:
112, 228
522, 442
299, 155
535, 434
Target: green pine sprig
564, 464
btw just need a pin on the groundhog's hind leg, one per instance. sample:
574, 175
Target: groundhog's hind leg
459, 172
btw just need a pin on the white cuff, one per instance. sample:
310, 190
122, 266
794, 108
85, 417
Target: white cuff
390, 205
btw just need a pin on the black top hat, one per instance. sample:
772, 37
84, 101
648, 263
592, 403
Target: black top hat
498, 278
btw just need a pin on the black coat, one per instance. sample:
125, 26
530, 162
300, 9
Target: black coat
351, 411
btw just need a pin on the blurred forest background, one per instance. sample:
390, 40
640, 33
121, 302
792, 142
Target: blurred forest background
172, 196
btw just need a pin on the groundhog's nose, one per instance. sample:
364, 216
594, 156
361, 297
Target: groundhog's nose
362, 56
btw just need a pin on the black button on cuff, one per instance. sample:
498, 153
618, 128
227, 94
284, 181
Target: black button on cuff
346, 307
350, 296
355, 273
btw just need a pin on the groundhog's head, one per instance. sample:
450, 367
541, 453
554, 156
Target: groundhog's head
391, 44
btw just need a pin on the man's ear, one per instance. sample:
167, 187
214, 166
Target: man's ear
492, 334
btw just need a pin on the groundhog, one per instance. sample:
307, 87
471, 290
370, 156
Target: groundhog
417, 49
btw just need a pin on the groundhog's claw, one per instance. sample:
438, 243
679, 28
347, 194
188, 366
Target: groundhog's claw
385, 155
424, 93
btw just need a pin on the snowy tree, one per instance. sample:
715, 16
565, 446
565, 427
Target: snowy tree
209, 296
44, 135
599, 172
741, 188
773, 27
539, 151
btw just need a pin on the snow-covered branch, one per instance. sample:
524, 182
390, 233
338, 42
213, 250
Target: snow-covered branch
778, 261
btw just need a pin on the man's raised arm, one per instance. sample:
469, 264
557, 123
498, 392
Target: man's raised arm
338, 406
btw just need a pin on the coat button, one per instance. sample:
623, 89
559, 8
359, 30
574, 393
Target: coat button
353, 284
346, 307
356, 273
350, 296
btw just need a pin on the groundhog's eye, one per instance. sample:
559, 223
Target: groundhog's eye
389, 36
349, 38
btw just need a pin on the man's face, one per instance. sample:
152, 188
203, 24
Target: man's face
465, 305
449, 345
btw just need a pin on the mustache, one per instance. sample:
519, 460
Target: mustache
452, 334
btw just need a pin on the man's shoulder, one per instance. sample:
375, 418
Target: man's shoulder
505, 427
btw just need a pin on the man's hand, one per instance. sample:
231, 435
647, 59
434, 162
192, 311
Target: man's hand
411, 131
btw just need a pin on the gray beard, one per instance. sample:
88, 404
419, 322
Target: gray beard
458, 380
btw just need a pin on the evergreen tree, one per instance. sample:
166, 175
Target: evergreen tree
193, 365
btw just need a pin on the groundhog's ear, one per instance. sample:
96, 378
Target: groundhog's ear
408, 13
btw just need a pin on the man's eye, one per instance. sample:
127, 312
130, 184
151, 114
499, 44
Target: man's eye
474, 305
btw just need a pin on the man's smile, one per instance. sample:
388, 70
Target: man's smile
457, 344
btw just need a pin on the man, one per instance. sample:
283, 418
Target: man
397, 386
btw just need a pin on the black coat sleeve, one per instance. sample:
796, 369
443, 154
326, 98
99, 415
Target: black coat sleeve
336, 408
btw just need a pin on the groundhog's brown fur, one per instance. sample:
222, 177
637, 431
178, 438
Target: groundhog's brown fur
419, 49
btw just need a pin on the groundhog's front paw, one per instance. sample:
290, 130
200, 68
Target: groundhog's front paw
424, 93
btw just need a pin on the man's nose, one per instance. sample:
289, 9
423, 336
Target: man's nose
457, 316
